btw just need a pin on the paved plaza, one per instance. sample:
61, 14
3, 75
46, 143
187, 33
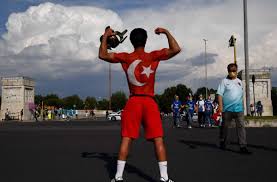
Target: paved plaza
86, 151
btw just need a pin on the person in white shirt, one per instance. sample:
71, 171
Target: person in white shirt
200, 107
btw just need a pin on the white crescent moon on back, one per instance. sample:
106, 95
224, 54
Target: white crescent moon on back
131, 74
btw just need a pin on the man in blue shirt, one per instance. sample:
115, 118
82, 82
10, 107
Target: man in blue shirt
230, 98
189, 110
176, 108
208, 110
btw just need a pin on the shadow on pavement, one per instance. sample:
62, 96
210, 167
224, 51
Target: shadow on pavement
110, 164
195, 144
258, 147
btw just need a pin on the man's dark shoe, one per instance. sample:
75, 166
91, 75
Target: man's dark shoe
117, 180
244, 150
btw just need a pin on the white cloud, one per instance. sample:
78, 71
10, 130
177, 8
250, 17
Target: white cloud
264, 54
53, 37
216, 21
52, 40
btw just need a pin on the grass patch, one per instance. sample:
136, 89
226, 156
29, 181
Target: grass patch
262, 118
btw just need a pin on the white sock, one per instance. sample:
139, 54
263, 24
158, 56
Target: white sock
163, 170
120, 169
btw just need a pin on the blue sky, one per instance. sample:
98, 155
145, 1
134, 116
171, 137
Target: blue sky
56, 41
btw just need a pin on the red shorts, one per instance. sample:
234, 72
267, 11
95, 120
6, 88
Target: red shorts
141, 109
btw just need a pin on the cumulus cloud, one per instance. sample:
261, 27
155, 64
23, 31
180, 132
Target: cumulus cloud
58, 41
215, 20
55, 40
264, 54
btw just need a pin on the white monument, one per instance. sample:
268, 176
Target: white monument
17, 93
262, 89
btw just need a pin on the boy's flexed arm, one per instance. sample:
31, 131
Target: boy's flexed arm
174, 47
103, 49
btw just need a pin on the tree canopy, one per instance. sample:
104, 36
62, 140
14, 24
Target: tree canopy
119, 99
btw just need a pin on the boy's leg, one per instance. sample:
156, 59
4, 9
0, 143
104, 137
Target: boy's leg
160, 149
122, 156
161, 156
124, 148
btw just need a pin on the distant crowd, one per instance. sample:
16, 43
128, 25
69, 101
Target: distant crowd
205, 111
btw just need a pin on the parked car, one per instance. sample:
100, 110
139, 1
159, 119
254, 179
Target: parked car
114, 116
194, 117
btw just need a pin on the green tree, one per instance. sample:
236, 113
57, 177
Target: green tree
119, 100
38, 99
52, 100
212, 91
183, 91
103, 104
165, 100
71, 101
274, 99
90, 103
202, 91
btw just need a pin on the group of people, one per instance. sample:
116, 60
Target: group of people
206, 109
51, 114
11, 116
257, 109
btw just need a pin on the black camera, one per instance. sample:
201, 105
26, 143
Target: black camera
114, 40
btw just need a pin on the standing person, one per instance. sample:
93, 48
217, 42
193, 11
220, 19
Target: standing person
208, 111
7, 115
107, 114
230, 99
49, 114
176, 108
34, 114
21, 115
60, 113
140, 68
76, 114
190, 107
252, 109
260, 108
200, 107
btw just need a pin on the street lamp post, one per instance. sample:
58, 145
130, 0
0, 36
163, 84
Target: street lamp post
232, 43
206, 72
110, 87
253, 81
246, 57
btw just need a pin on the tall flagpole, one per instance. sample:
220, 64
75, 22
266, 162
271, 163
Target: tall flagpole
246, 57
206, 72
110, 87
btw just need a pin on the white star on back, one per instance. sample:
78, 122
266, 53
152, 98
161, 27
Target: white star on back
147, 71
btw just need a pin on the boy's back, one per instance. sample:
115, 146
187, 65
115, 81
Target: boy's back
140, 69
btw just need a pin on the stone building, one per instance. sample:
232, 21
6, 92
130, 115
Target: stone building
262, 88
18, 93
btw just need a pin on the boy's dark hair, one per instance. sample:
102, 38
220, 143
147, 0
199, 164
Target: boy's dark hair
232, 65
138, 37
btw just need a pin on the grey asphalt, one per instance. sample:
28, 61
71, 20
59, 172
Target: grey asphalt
85, 151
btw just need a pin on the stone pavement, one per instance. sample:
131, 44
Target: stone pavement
86, 152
